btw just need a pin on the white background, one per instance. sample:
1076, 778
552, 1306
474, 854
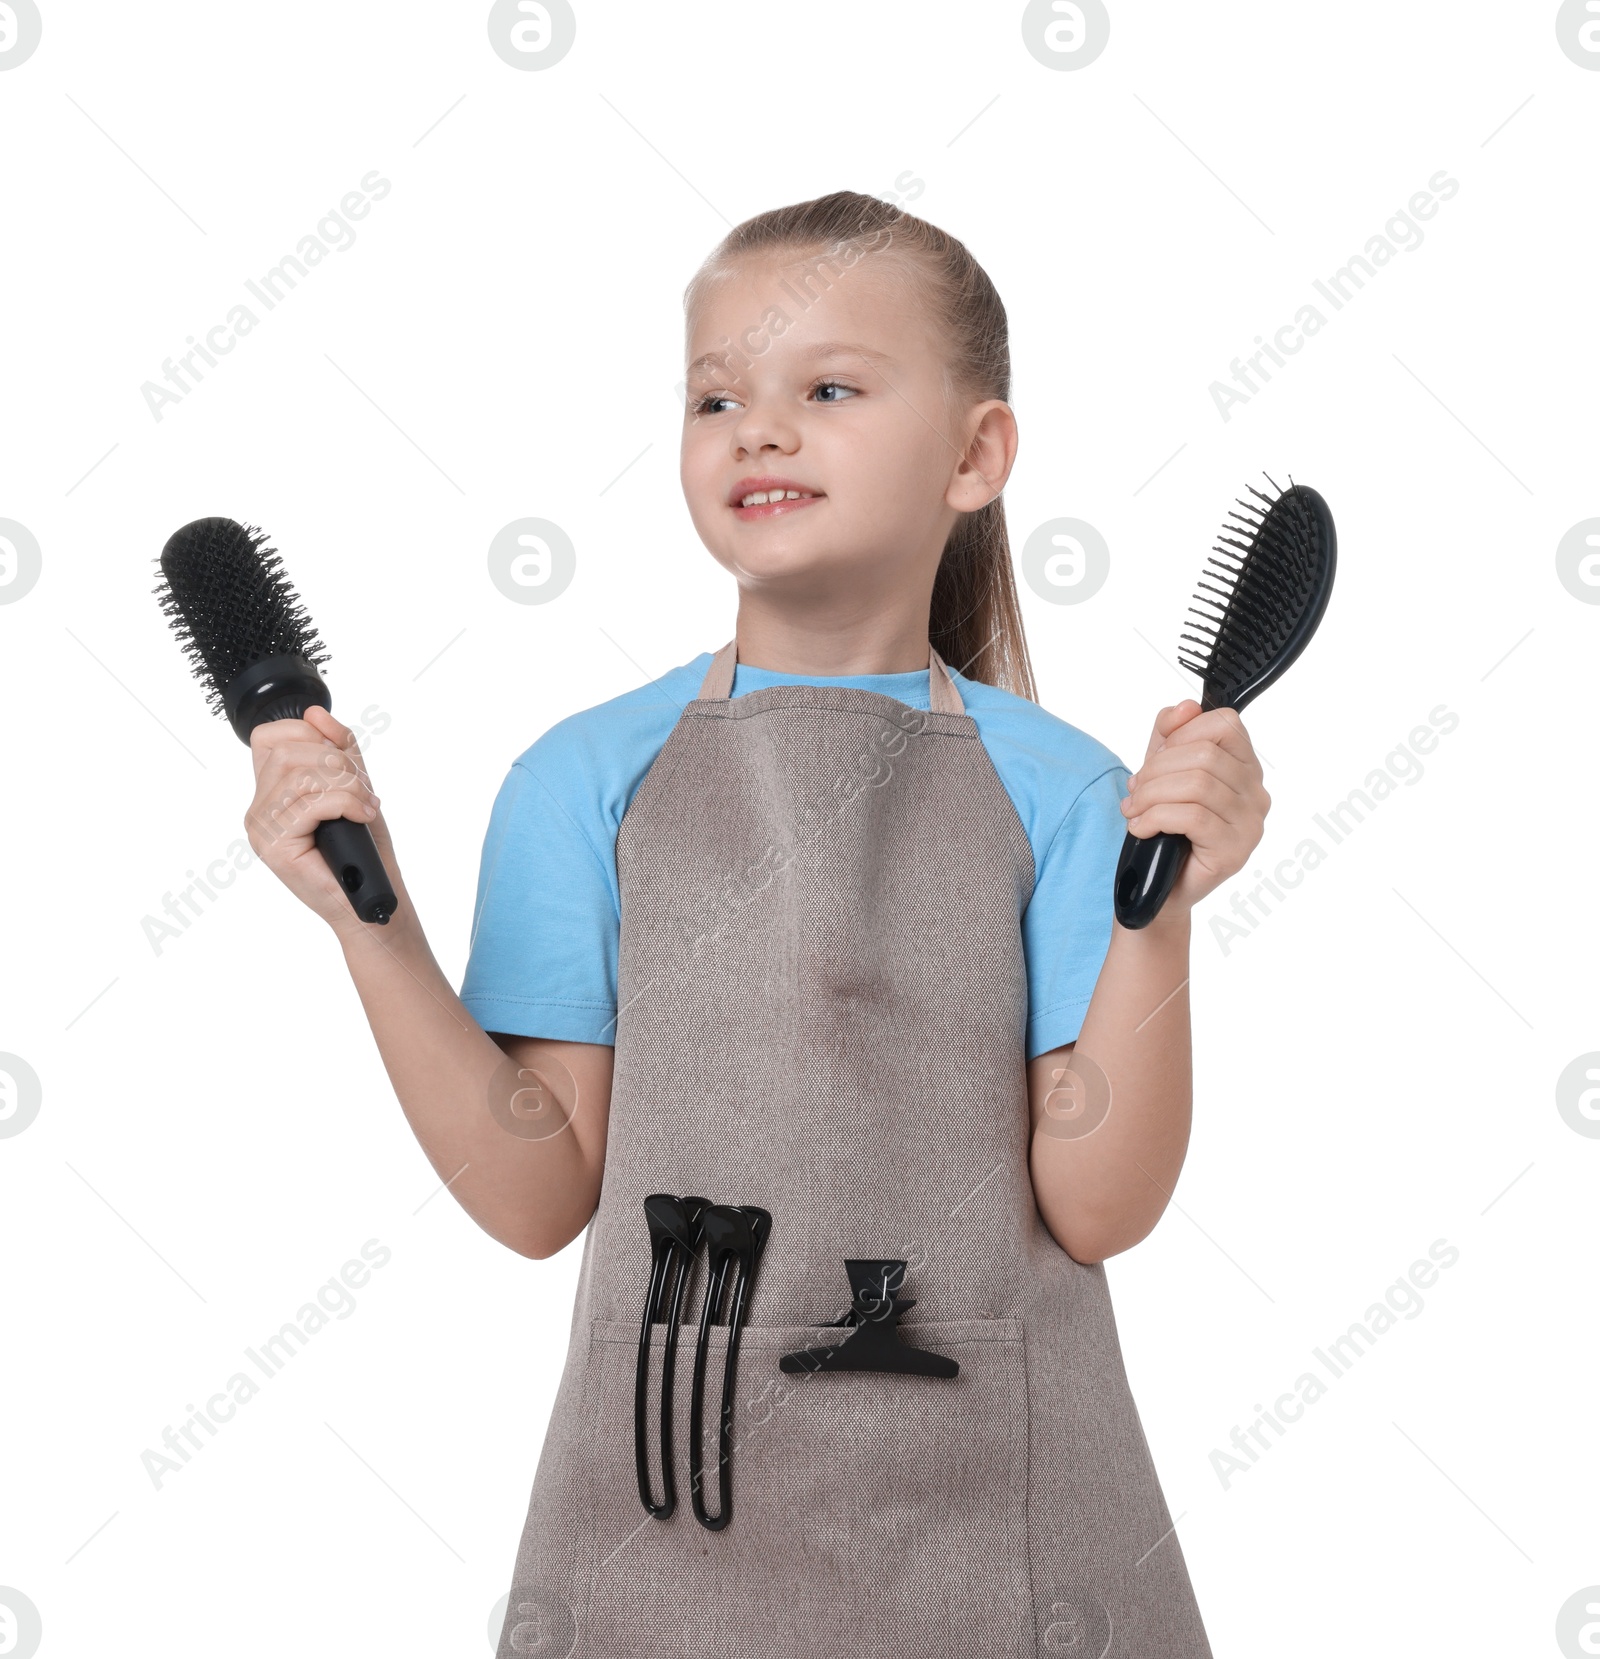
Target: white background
1376, 1064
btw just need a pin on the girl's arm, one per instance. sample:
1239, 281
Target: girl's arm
1101, 1186
515, 1126
1102, 1190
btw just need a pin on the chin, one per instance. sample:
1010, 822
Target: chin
774, 558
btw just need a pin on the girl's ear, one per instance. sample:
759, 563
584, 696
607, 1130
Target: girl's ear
981, 473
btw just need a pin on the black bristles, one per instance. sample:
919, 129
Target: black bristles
1260, 593
230, 604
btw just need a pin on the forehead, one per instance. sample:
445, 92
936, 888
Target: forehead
818, 304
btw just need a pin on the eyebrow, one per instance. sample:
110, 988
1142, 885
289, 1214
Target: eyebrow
820, 351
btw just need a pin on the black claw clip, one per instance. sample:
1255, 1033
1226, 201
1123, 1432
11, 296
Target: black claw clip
874, 1344
675, 1233
734, 1235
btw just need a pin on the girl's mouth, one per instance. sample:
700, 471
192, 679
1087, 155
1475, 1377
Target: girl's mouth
773, 503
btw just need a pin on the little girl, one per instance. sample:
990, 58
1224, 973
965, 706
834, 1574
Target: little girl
809, 943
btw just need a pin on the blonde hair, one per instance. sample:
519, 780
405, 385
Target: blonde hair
974, 622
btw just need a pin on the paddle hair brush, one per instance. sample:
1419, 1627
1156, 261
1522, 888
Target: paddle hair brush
249, 640
1258, 603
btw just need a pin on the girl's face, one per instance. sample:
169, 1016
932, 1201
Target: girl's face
808, 376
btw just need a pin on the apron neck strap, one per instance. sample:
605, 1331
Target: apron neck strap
943, 695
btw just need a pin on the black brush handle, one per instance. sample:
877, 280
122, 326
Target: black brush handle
1148, 866
354, 858
1146, 869
283, 687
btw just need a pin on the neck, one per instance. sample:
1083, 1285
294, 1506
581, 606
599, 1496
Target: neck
885, 642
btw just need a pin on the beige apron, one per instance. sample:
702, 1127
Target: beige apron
822, 1008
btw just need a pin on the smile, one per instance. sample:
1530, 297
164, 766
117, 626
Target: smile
756, 498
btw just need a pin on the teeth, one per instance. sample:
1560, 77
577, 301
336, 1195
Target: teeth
762, 497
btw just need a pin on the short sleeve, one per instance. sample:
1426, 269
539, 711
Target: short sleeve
1066, 928
546, 922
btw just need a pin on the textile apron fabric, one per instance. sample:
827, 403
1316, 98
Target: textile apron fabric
822, 1011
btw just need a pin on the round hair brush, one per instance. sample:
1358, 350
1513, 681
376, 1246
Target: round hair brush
249, 640
1257, 605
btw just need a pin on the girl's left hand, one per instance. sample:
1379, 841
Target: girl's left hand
1200, 778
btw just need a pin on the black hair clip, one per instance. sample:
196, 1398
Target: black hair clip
734, 1235
675, 1225
874, 1344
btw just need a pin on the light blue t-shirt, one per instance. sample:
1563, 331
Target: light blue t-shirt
546, 921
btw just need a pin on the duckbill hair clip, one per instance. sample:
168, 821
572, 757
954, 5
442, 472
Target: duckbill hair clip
874, 1344
735, 1235
674, 1225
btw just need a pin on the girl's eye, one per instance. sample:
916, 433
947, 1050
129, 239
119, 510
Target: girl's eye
710, 403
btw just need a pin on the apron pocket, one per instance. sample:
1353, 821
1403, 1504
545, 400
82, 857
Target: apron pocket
873, 1513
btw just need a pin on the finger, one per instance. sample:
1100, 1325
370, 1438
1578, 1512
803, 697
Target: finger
1192, 784
331, 727
272, 735
313, 752
320, 765
1205, 756
1201, 825
277, 788
1234, 792
301, 814
1227, 744
1221, 726
343, 736
1167, 721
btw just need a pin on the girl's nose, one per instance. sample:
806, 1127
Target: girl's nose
761, 427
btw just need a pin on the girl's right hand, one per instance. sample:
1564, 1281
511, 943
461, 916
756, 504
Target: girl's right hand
306, 771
